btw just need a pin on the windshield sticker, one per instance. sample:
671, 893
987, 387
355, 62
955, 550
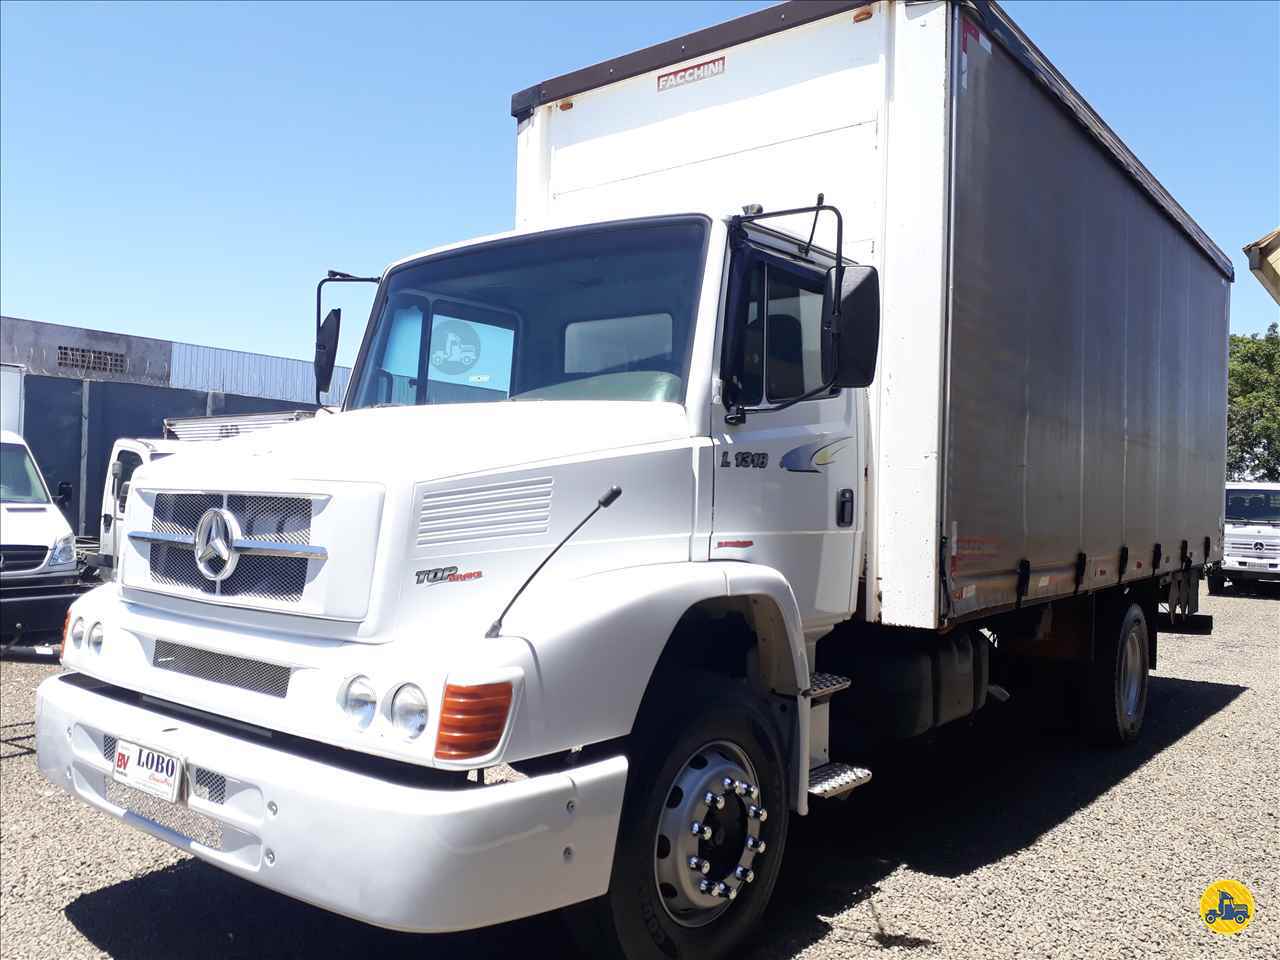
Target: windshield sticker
687, 75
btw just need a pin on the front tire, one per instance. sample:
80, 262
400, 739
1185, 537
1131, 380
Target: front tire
661, 904
1217, 584
1116, 689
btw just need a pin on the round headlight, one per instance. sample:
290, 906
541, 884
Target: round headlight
95, 637
409, 711
360, 702
77, 632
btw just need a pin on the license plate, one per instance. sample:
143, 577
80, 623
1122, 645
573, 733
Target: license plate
150, 771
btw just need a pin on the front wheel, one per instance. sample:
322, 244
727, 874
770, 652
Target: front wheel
1217, 584
1211, 917
704, 824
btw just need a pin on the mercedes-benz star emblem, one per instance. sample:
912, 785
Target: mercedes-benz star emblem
216, 534
1259, 546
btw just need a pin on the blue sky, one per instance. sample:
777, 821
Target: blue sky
189, 171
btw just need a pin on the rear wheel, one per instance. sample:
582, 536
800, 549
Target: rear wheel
703, 828
1116, 688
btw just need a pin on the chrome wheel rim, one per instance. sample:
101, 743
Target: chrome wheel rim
709, 834
1131, 673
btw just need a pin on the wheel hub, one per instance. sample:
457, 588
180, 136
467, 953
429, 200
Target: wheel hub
709, 834
1131, 673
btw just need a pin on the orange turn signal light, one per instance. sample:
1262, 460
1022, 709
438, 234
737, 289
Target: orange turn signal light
472, 720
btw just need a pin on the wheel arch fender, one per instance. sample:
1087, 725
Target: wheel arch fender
594, 644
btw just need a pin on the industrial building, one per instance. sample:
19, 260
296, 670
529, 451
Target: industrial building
73, 392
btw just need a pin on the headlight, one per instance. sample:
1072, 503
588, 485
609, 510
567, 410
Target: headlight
409, 711
95, 637
64, 550
77, 632
359, 702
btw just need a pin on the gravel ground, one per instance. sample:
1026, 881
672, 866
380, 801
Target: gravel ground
994, 841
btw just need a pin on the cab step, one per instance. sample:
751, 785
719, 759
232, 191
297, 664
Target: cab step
824, 686
836, 779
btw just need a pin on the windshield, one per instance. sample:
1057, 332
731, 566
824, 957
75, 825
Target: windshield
599, 313
1253, 506
19, 479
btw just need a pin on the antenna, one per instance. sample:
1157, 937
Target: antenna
606, 500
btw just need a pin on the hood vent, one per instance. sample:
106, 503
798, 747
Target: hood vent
489, 512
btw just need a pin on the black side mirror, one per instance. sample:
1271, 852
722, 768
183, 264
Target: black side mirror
858, 325
117, 468
64, 493
124, 493
327, 349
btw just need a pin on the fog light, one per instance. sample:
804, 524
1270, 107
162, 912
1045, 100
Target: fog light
77, 632
360, 702
95, 637
409, 711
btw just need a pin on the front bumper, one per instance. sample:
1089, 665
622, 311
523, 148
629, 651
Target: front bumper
398, 856
37, 604
1249, 568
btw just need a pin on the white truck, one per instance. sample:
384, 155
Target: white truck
1251, 553
866, 461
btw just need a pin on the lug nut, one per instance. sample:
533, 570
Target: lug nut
758, 813
740, 787
745, 874
698, 865
699, 829
714, 800
757, 846
754, 791
704, 886
733, 893
727, 783
720, 889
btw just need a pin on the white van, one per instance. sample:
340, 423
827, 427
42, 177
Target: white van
38, 569
128, 454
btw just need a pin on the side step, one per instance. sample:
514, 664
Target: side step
836, 779
824, 686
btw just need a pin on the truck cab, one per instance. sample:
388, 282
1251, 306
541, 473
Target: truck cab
127, 454
38, 567
1251, 552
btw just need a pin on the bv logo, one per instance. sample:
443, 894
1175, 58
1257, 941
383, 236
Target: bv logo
122, 761
1227, 906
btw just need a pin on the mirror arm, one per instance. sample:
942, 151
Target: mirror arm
335, 276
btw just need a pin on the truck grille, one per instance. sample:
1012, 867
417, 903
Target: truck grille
17, 557
269, 678
283, 520
1245, 549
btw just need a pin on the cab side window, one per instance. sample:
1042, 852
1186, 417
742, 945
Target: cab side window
129, 462
781, 335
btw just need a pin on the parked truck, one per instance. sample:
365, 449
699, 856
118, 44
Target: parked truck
1251, 554
843, 369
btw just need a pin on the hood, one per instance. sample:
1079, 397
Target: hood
37, 524
419, 443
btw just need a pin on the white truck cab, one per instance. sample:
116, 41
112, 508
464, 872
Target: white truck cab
646, 524
127, 454
37, 548
1252, 548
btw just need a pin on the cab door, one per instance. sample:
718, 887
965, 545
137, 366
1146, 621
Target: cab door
126, 457
787, 482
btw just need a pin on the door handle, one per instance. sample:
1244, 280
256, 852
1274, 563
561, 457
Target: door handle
844, 508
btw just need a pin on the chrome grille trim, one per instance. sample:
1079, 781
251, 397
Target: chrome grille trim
486, 512
273, 526
271, 679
